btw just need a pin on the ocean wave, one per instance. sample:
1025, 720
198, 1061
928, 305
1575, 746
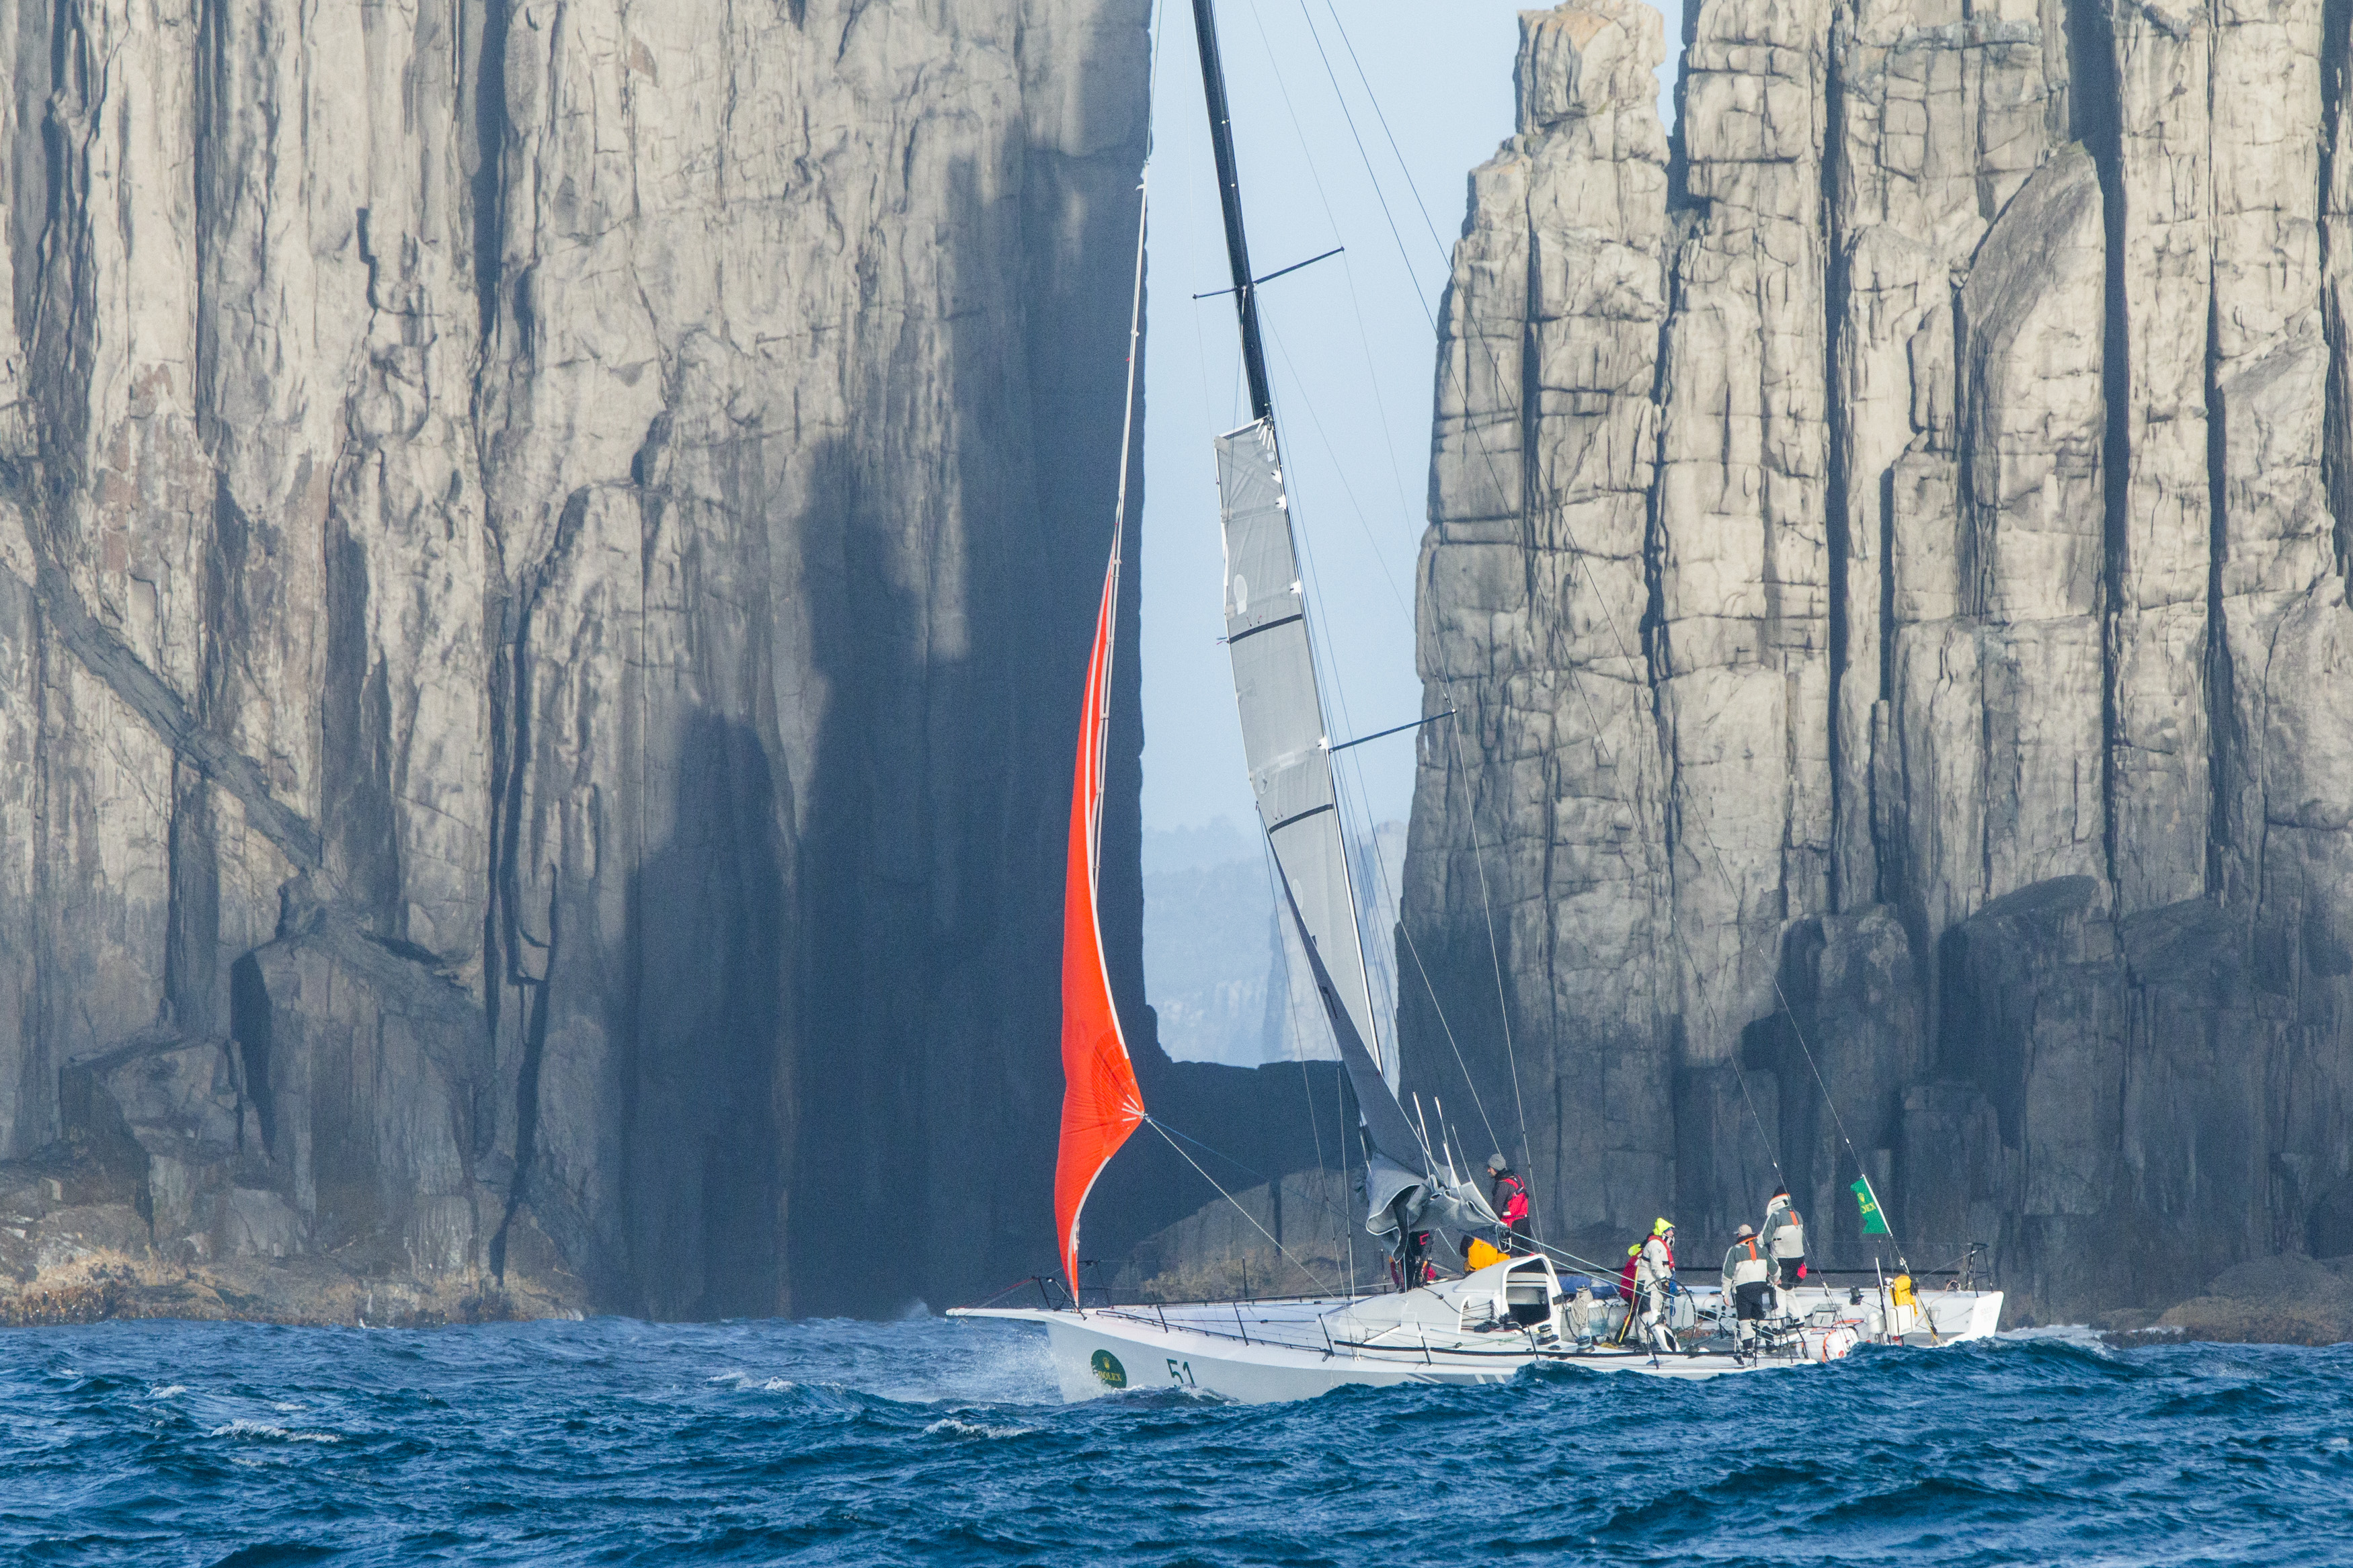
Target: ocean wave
957, 1426
269, 1432
933, 1440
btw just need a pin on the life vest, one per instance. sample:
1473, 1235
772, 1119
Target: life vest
1514, 1207
1479, 1254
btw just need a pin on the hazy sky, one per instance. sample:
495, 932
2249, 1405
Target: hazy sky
1349, 347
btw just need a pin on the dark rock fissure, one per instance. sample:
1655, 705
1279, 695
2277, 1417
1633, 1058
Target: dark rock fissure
2095, 120
2337, 450
249, 1027
1838, 524
488, 87
526, 1100
2219, 719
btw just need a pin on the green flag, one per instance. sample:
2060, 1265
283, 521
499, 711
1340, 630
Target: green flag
1874, 1222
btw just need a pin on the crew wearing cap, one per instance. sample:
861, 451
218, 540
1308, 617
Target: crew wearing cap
1747, 1281
1509, 1196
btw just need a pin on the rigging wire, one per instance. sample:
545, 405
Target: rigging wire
1155, 1124
1355, 303
1495, 951
1327, 673
1339, 694
1578, 556
1291, 1029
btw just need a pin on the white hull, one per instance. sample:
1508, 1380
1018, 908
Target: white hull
1258, 1352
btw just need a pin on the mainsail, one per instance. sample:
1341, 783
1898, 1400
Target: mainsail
1102, 1103
1287, 746
1283, 737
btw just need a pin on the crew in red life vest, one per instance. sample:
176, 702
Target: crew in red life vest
1510, 1198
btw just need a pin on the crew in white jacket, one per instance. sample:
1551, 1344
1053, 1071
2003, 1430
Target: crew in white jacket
1785, 1244
1653, 1276
1747, 1281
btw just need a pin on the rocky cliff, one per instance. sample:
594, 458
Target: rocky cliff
1888, 554
548, 547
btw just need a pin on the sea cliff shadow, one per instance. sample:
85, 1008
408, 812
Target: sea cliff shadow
701, 1016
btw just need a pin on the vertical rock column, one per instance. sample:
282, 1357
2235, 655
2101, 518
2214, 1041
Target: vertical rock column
28, 1079
2282, 632
1740, 534
2268, 369
117, 503
2160, 505
1942, 116
1544, 813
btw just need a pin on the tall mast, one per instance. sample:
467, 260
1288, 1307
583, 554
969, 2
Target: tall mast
1285, 740
1229, 196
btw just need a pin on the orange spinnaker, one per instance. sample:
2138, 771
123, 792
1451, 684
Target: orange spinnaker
1101, 1102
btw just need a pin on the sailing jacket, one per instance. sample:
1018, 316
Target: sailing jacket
1784, 1232
1657, 1264
1746, 1264
1511, 1199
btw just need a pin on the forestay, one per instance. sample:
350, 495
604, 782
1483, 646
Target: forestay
1283, 737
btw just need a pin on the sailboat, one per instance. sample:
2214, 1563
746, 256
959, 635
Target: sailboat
1521, 1309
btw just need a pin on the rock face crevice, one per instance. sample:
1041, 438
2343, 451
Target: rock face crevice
1956, 408
546, 547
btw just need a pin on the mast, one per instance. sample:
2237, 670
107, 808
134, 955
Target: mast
1229, 197
1284, 739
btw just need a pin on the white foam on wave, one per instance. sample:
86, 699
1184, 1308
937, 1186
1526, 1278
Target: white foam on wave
753, 1383
167, 1391
2081, 1334
954, 1426
263, 1431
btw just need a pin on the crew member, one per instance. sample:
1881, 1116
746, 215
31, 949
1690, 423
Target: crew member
1655, 1276
1580, 1315
1748, 1280
1411, 1267
1785, 1243
1509, 1196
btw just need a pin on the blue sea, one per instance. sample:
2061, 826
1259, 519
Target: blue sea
928, 1441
